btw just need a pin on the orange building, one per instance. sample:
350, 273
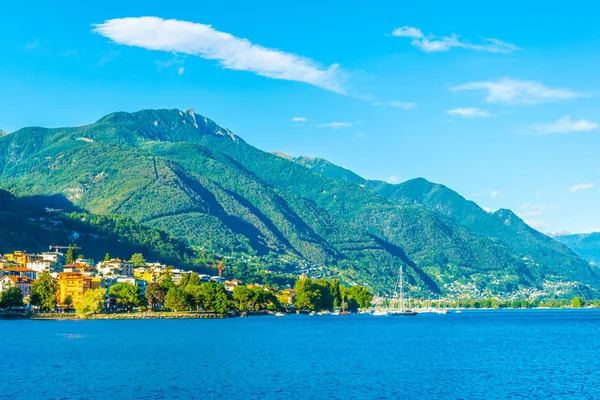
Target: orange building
72, 285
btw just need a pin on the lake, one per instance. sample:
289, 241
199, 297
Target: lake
474, 355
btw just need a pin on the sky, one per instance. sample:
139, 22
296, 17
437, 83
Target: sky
498, 102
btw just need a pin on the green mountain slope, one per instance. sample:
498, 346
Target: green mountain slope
182, 173
24, 225
586, 245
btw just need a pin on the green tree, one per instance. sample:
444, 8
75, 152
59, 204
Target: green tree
215, 298
576, 302
166, 281
126, 294
176, 299
92, 302
107, 257
11, 297
242, 295
43, 292
195, 295
72, 254
68, 302
308, 297
155, 296
138, 260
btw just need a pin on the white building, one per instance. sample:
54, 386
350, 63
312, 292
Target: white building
115, 267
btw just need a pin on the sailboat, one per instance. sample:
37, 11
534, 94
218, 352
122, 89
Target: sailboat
401, 311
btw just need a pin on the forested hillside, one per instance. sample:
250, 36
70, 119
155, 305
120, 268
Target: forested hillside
181, 173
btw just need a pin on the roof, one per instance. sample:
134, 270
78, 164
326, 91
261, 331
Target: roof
18, 279
18, 269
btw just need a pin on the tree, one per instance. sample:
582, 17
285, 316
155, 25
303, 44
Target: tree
307, 296
215, 298
576, 302
166, 281
43, 292
72, 254
126, 294
195, 295
68, 301
155, 295
107, 257
242, 295
11, 297
176, 299
138, 260
93, 302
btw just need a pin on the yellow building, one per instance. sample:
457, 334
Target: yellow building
72, 285
19, 257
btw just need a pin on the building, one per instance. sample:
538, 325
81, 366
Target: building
115, 267
47, 261
22, 282
72, 285
85, 269
19, 257
20, 271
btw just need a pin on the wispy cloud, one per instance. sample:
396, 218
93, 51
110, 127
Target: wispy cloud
581, 186
431, 43
181, 70
398, 104
490, 193
515, 92
231, 52
299, 119
469, 113
393, 179
336, 125
537, 224
564, 125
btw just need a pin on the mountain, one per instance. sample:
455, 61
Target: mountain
24, 225
181, 173
586, 245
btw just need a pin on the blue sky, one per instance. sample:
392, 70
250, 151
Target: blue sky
497, 105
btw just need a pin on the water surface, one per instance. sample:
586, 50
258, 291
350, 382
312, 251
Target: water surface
473, 355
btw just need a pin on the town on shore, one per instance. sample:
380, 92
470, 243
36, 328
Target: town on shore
67, 285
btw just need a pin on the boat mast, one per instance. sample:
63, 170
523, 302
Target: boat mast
401, 289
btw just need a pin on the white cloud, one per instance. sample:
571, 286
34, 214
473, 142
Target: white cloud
528, 214
231, 52
181, 70
469, 112
393, 180
398, 104
431, 43
581, 186
564, 125
490, 193
298, 119
408, 31
537, 224
516, 92
336, 125
487, 209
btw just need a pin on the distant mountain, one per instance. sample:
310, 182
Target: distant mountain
182, 173
586, 245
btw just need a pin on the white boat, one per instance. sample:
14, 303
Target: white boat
312, 313
336, 312
379, 312
399, 310
279, 314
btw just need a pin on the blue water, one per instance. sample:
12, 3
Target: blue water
473, 355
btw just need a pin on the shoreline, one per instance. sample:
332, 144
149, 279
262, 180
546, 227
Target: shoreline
116, 316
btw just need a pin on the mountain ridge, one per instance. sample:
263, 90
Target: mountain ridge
182, 173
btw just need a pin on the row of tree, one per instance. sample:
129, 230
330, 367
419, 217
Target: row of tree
329, 295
